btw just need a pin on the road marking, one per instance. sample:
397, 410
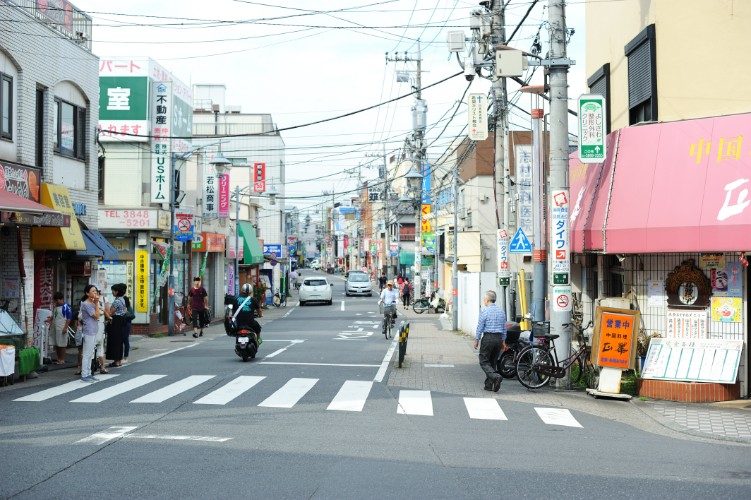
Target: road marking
342, 305
279, 351
385, 363
290, 393
293, 363
557, 416
103, 437
294, 341
437, 365
116, 390
62, 389
229, 391
415, 403
165, 353
174, 389
351, 396
288, 312
210, 439
484, 409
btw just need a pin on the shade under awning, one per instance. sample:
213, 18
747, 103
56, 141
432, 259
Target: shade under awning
97, 246
252, 251
10, 202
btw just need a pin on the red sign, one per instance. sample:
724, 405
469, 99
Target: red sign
211, 242
259, 177
560, 255
223, 196
20, 180
562, 301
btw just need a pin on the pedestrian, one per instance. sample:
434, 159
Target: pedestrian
102, 321
90, 313
61, 318
490, 337
199, 305
117, 311
406, 291
382, 281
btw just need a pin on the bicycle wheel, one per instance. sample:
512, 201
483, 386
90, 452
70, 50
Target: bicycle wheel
420, 306
583, 373
507, 364
527, 367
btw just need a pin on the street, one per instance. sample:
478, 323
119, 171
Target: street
314, 417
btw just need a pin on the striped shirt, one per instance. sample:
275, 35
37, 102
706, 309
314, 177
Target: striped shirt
492, 320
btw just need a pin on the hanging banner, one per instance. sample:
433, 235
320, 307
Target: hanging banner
161, 170
142, 281
223, 207
478, 117
209, 192
560, 233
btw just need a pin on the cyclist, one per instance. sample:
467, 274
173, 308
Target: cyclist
389, 298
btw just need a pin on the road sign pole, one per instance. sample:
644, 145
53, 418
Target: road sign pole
539, 271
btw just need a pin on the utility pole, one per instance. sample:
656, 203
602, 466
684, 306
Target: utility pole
454, 264
558, 199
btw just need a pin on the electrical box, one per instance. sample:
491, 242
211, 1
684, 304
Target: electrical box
456, 41
509, 63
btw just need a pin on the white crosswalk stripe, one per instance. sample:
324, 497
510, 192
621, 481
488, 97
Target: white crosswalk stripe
484, 409
557, 416
173, 389
351, 396
117, 389
230, 391
415, 403
63, 389
290, 393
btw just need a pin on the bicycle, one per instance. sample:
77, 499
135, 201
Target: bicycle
537, 363
389, 319
278, 300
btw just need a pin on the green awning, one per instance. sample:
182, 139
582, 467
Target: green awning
406, 258
252, 251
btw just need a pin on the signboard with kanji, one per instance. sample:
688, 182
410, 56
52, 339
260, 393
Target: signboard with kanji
560, 237
142, 281
693, 360
614, 339
161, 169
478, 117
210, 195
259, 177
592, 129
124, 108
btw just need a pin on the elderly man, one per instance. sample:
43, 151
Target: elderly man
490, 337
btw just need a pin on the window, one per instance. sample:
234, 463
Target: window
599, 83
39, 134
70, 130
6, 106
642, 77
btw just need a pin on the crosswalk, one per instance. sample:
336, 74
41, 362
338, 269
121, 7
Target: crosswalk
351, 396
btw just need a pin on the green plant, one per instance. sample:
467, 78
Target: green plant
642, 342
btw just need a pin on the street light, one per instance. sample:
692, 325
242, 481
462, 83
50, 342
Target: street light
218, 161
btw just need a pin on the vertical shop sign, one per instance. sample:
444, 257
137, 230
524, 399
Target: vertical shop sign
259, 177
559, 234
142, 281
223, 209
503, 269
615, 337
478, 117
209, 192
129, 278
523, 159
592, 148
161, 169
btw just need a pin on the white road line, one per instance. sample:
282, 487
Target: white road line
279, 351
290, 393
415, 403
557, 416
173, 389
165, 353
385, 363
484, 409
103, 437
62, 389
211, 439
288, 313
294, 341
229, 391
437, 365
352, 396
342, 305
117, 389
292, 363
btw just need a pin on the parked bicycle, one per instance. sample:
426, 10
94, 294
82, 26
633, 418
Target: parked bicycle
537, 363
436, 304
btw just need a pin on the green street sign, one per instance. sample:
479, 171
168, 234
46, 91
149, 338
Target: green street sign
504, 281
560, 278
592, 128
123, 97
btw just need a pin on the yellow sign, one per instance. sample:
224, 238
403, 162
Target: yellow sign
58, 238
426, 226
426, 211
142, 281
727, 309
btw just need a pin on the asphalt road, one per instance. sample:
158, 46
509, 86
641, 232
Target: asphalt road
311, 417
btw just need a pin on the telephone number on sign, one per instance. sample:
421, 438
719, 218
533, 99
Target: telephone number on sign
135, 214
136, 222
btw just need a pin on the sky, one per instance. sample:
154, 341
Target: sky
303, 61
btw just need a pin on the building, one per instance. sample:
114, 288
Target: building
667, 210
49, 98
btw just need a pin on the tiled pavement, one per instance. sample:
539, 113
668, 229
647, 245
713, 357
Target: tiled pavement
731, 424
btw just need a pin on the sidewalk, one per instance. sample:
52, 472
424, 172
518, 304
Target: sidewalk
442, 360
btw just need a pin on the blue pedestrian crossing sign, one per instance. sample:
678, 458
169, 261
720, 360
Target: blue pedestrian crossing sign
520, 243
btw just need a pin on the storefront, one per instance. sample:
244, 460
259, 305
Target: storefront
664, 221
252, 254
208, 254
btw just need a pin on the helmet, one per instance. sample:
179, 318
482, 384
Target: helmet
246, 289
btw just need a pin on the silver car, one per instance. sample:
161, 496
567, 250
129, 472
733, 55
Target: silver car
358, 283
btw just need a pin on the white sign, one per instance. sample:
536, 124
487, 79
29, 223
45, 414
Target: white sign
139, 129
209, 191
523, 157
562, 298
559, 232
161, 169
478, 117
656, 293
592, 128
699, 360
133, 219
502, 253
686, 324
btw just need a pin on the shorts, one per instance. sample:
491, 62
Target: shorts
198, 318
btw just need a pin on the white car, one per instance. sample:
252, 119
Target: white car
316, 289
358, 283
316, 264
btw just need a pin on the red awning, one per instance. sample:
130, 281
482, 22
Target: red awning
10, 202
666, 187
19, 210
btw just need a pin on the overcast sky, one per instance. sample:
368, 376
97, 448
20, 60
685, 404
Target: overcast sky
299, 65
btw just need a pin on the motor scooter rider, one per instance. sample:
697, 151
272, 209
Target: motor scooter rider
245, 308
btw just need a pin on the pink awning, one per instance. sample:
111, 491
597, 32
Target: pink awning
666, 187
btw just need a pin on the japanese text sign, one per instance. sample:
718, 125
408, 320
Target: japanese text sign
686, 324
161, 170
210, 194
614, 341
478, 117
223, 196
259, 177
559, 231
142, 281
502, 253
592, 148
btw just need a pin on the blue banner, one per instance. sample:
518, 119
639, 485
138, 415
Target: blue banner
426, 183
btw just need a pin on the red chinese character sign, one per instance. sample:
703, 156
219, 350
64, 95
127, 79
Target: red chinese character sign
223, 207
259, 177
614, 340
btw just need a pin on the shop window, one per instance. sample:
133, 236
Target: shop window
642, 77
6, 106
70, 130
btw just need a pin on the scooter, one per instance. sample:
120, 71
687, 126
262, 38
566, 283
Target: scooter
246, 343
516, 340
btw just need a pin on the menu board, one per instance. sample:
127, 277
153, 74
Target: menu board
693, 360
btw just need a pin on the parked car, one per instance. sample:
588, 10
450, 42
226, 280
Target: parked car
316, 264
358, 283
316, 290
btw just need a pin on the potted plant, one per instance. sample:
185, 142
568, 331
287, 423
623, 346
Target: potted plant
642, 346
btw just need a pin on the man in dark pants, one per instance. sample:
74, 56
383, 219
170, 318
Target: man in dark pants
491, 328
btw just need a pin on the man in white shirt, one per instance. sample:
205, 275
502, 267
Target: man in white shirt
389, 297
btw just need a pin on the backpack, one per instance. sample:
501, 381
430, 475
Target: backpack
406, 289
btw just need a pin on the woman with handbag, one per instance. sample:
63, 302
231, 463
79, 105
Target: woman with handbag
115, 330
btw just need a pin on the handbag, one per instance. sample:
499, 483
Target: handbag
130, 315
